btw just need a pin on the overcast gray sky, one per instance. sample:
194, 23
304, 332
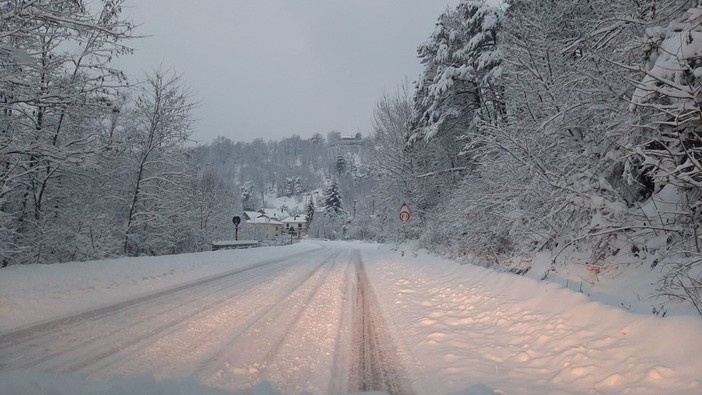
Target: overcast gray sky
274, 68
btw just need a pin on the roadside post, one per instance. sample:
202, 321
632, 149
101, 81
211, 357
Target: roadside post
237, 221
291, 232
404, 218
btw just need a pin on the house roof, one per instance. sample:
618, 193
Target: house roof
264, 220
273, 216
249, 215
298, 219
275, 213
256, 217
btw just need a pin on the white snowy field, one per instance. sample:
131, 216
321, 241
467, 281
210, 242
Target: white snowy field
251, 321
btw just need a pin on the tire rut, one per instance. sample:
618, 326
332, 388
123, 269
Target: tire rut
277, 310
51, 344
84, 342
375, 362
165, 329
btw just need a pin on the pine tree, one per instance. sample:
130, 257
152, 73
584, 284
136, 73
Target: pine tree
462, 63
288, 188
456, 96
332, 198
247, 196
341, 165
298, 186
309, 213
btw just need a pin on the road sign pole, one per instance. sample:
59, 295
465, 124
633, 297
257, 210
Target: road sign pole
236, 220
404, 218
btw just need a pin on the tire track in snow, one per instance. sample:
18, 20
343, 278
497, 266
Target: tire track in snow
273, 311
339, 382
127, 350
50, 349
375, 362
233, 356
16, 337
49, 343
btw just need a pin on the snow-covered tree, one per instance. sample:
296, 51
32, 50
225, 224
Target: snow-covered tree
248, 199
309, 213
461, 65
457, 93
162, 116
332, 198
391, 162
665, 151
341, 165
298, 187
288, 187
669, 98
56, 86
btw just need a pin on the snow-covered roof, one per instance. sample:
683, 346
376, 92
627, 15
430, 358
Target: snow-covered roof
264, 220
259, 217
275, 213
248, 215
297, 219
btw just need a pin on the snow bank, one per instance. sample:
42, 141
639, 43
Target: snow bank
466, 325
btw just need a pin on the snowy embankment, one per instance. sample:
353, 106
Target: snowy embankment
457, 328
466, 325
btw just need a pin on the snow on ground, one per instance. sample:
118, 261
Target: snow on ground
459, 329
33, 293
628, 285
467, 325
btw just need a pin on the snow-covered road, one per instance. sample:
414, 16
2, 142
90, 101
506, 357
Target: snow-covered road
326, 318
307, 322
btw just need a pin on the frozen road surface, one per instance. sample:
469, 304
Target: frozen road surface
330, 318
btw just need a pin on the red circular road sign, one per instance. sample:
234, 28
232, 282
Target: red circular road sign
405, 214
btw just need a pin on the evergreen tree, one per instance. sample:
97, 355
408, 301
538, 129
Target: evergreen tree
298, 186
332, 198
288, 188
341, 165
456, 96
248, 200
462, 63
309, 213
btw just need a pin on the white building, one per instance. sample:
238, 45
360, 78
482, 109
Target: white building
259, 226
298, 223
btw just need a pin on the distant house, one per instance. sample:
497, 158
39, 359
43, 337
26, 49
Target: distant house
348, 140
260, 226
298, 223
274, 213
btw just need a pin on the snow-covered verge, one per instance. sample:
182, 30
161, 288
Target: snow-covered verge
465, 325
34, 293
